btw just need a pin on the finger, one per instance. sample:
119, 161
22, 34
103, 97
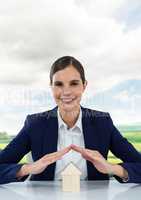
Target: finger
56, 155
50, 154
77, 148
64, 151
80, 149
55, 158
86, 157
93, 153
61, 152
51, 159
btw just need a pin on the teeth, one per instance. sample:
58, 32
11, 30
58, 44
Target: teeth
66, 99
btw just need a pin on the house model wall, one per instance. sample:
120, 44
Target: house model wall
71, 178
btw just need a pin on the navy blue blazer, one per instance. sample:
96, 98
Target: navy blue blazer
40, 134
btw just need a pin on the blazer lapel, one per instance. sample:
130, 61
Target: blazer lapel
50, 140
91, 139
90, 129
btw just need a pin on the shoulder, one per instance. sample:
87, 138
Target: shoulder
87, 112
41, 116
97, 117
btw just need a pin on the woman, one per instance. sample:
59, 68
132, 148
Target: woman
67, 133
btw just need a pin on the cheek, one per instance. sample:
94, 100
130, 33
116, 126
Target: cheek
56, 93
79, 92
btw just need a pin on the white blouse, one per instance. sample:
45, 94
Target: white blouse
66, 137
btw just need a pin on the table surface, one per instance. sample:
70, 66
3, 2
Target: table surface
96, 190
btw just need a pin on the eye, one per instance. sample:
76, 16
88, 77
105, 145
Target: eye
58, 84
74, 83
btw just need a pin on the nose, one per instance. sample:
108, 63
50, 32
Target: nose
66, 90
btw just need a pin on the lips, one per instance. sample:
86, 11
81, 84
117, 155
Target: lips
67, 100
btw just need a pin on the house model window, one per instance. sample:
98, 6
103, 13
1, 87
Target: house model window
71, 178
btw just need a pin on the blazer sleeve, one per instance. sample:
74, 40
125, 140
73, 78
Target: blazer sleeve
13, 153
125, 151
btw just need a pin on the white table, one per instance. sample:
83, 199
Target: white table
52, 190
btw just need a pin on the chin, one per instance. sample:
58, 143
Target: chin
68, 108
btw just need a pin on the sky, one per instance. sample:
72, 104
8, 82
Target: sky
104, 35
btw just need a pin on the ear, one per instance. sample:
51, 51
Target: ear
85, 85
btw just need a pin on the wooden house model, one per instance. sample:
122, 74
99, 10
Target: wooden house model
71, 178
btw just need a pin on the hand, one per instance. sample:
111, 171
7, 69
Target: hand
95, 158
40, 165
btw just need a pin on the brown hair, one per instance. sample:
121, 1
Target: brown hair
64, 62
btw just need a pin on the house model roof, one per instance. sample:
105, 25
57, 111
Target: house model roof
71, 169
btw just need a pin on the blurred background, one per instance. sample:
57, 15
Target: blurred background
103, 34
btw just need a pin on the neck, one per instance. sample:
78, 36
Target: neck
70, 118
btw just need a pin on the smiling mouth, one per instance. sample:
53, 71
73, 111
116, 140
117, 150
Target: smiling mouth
67, 100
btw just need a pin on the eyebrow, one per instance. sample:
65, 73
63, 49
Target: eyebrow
72, 81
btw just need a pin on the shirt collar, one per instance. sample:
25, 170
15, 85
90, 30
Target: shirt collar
78, 123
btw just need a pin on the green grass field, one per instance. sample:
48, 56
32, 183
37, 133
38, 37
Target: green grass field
133, 136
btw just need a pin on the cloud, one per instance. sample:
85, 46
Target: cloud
123, 96
101, 8
100, 33
130, 13
34, 34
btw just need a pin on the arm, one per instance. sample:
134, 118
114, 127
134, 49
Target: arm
125, 151
40, 165
10, 169
100, 163
129, 170
12, 154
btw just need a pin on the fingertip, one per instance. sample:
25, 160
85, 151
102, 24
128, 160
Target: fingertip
69, 147
73, 145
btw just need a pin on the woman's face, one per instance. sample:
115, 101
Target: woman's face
67, 88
